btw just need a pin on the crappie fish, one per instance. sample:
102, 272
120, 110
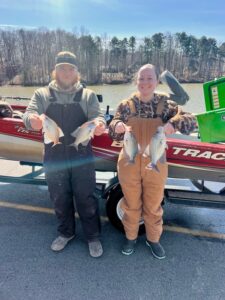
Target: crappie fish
52, 132
131, 146
83, 134
156, 149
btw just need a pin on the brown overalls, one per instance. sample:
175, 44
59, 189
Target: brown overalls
143, 189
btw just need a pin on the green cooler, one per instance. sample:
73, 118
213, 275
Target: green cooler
212, 126
214, 93
212, 122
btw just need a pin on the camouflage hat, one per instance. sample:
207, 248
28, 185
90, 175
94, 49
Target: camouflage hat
65, 57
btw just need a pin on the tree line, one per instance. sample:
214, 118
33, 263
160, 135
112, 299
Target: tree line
27, 56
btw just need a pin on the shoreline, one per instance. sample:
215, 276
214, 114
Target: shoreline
96, 83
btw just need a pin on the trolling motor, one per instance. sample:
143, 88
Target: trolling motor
108, 117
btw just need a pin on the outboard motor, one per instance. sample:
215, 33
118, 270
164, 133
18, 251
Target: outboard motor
179, 95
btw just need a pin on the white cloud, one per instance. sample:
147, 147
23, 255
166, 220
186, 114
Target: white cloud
12, 27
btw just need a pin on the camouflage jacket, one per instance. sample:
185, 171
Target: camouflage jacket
182, 121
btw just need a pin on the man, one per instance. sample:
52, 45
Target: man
69, 170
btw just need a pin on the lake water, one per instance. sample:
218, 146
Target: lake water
113, 94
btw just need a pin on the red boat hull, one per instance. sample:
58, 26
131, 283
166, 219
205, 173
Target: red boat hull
187, 158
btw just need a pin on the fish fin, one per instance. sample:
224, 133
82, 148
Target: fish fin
155, 168
74, 145
84, 143
129, 162
125, 152
132, 161
163, 158
152, 166
147, 151
139, 149
60, 132
46, 139
75, 132
148, 167
56, 144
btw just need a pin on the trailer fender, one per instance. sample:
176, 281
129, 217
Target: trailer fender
111, 184
114, 195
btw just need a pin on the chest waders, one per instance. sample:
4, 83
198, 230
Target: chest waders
143, 189
70, 174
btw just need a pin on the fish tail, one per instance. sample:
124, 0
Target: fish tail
149, 166
155, 168
129, 162
152, 166
56, 143
74, 145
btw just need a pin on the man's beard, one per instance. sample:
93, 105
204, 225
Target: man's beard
66, 86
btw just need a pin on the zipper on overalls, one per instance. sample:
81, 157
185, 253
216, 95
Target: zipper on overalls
139, 129
63, 115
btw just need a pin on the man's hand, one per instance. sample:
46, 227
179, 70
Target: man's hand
35, 121
100, 128
169, 129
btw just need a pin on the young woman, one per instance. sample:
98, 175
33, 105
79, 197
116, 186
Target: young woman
143, 188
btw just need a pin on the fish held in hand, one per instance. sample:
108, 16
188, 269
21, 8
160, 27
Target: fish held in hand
52, 132
83, 134
156, 149
131, 147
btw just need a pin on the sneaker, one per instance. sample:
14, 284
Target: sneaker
95, 248
128, 247
157, 249
60, 243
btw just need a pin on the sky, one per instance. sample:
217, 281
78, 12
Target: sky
121, 18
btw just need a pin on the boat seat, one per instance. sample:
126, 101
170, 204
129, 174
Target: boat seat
6, 110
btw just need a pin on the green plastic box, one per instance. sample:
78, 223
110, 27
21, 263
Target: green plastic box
212, 126
214, 93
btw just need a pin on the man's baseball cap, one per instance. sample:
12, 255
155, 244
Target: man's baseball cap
65, 57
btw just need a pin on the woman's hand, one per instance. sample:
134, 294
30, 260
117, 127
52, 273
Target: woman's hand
35, 121
169, 129
120, 127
